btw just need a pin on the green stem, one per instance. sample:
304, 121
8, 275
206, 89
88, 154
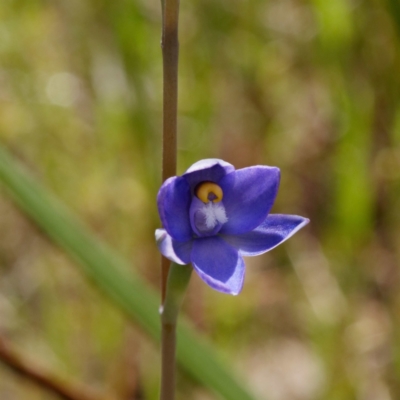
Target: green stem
178, 279
170, 52
174, 279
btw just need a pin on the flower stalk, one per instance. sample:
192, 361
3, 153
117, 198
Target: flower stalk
170, 52
173, 279
178, 279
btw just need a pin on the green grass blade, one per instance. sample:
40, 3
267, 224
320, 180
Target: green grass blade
394, 11
109, 272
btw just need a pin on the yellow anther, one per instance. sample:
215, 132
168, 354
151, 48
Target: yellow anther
209, 191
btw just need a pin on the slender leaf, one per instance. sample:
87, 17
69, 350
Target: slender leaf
394, 10
108, 271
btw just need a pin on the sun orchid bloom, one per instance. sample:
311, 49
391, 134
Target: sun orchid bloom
213, 215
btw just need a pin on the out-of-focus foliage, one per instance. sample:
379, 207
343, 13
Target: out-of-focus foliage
310, 86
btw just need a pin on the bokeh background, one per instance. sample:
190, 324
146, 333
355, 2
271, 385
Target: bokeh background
310, 86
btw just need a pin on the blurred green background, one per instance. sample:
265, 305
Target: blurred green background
311, 86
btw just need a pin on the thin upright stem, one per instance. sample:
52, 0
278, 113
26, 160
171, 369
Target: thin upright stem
168, 350
169, 300
178, 279
170, 52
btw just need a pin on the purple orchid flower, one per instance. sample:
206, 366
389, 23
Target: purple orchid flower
213, 215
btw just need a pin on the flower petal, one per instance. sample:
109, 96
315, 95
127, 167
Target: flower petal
211, 169
173, 201
249, 194
273, 231
218, 264
178, 252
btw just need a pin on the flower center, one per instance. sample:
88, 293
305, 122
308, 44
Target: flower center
209, 191
207, 211
209, 217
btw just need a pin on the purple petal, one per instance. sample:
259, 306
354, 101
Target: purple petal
273, 231
249, 194
173, 203
218, 264
178, 252
211, 169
